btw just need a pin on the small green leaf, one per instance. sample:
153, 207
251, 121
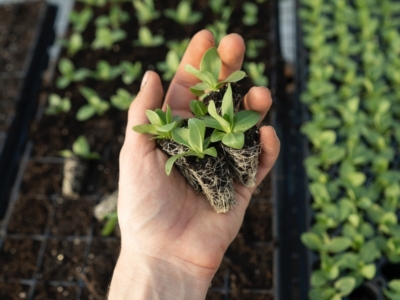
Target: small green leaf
85, 112
395, 285
81, 146
198, 108
345, 285
154, 118
368, 271
168, 115
212, 123
318, 278
227, 104
234, 77
66, 66
338, 244
234, 140
217, 136
66, 153
212, 110
211, 62
181, 136
312, 241
146, 128
167, 128
170, 162
211, 151
244, 120
197, 129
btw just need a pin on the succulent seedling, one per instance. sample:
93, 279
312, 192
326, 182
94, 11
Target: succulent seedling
122, 100
147, 39
106, 37
130, 71
57, 105
95, 105
80, 148
69, 73
184, 14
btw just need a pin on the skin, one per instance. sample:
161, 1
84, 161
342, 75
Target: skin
172, 240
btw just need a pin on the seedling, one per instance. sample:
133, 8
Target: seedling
111, 222
80, 20
80, 148
69, 74
105, 72
178, 46
106, 38
193, 138
122, 100
73, 44
220, 26
57, 105
130, 71
169, 66
210, 68
393, 290
147, 39
256, 73
230, 127
184, 14
162, 124
95, 105
250, 14
145, 11
217, 6
115, 18
253, 47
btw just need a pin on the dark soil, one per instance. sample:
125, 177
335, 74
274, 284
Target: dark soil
57, 241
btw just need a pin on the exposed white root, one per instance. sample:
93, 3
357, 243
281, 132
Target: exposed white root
244, 163
74, 174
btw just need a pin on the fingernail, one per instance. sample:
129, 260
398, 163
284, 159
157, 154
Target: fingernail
144, 80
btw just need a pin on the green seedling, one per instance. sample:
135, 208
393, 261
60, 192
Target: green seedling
184, 14
250, 14
122, 100
130, 71
198, 108
95, 105
80, 148
170, 65
220, 26
178, 46
256, 73
111, 222
69, 73
57, 105
193, 138
106, 38
73, 44
147, 39
162, 124
145, 11
105, 72
99, 3
80, 20
217, 6
210, 68
341, 288
253, 48
114, 19
230, 127
392, 292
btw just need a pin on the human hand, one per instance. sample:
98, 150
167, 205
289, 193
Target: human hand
172, 240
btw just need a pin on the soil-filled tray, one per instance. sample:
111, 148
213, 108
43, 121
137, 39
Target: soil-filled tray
74, 260
26, 33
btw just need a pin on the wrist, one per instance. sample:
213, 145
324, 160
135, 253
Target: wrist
145, 277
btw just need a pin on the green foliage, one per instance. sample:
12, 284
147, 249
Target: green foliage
256, 73
184, 14
99, 3
393, 290
80, 148
69, 73
219, 27
130, 71
122, 100
57, 105
106, 38
162, 124
80, 20
217, 6
178, 46
210, 68
111, 222
114, 19
230, 127
145, 11
170, 65
73, 44
253, 47
250, 14
104, 71
193, 138
147, 39
95, 105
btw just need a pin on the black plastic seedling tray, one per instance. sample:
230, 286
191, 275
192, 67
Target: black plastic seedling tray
28, 79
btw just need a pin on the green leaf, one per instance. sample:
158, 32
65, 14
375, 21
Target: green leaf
227, 104
234, 77
81, 146
212, 110
395, 285
312, 241
211, 62
65, 66
338, 244
345, 285
109, 226
197, 129
234, 140
368, 271
167, 128
203, 76
170, 162
181, 136
85, 112
318, 278
216, 136
245, 120
146, 128
62, 82
168, 115
154, 118
321, 293
66, 153
212, 123
211, 151
198, 108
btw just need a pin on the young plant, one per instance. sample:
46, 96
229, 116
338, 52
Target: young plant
80, 148
253, 47
193, 138
147, 39
57, 105
73, 44
145, 11
210, 68
230, 127
69, 74
106, 38
170, 65
111, 222
105, 72
95, 105
115, 18
217, 6
130, 72
178, 46
256, 73
80, 20
122, 100
250, 14
162, 124
184, 14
